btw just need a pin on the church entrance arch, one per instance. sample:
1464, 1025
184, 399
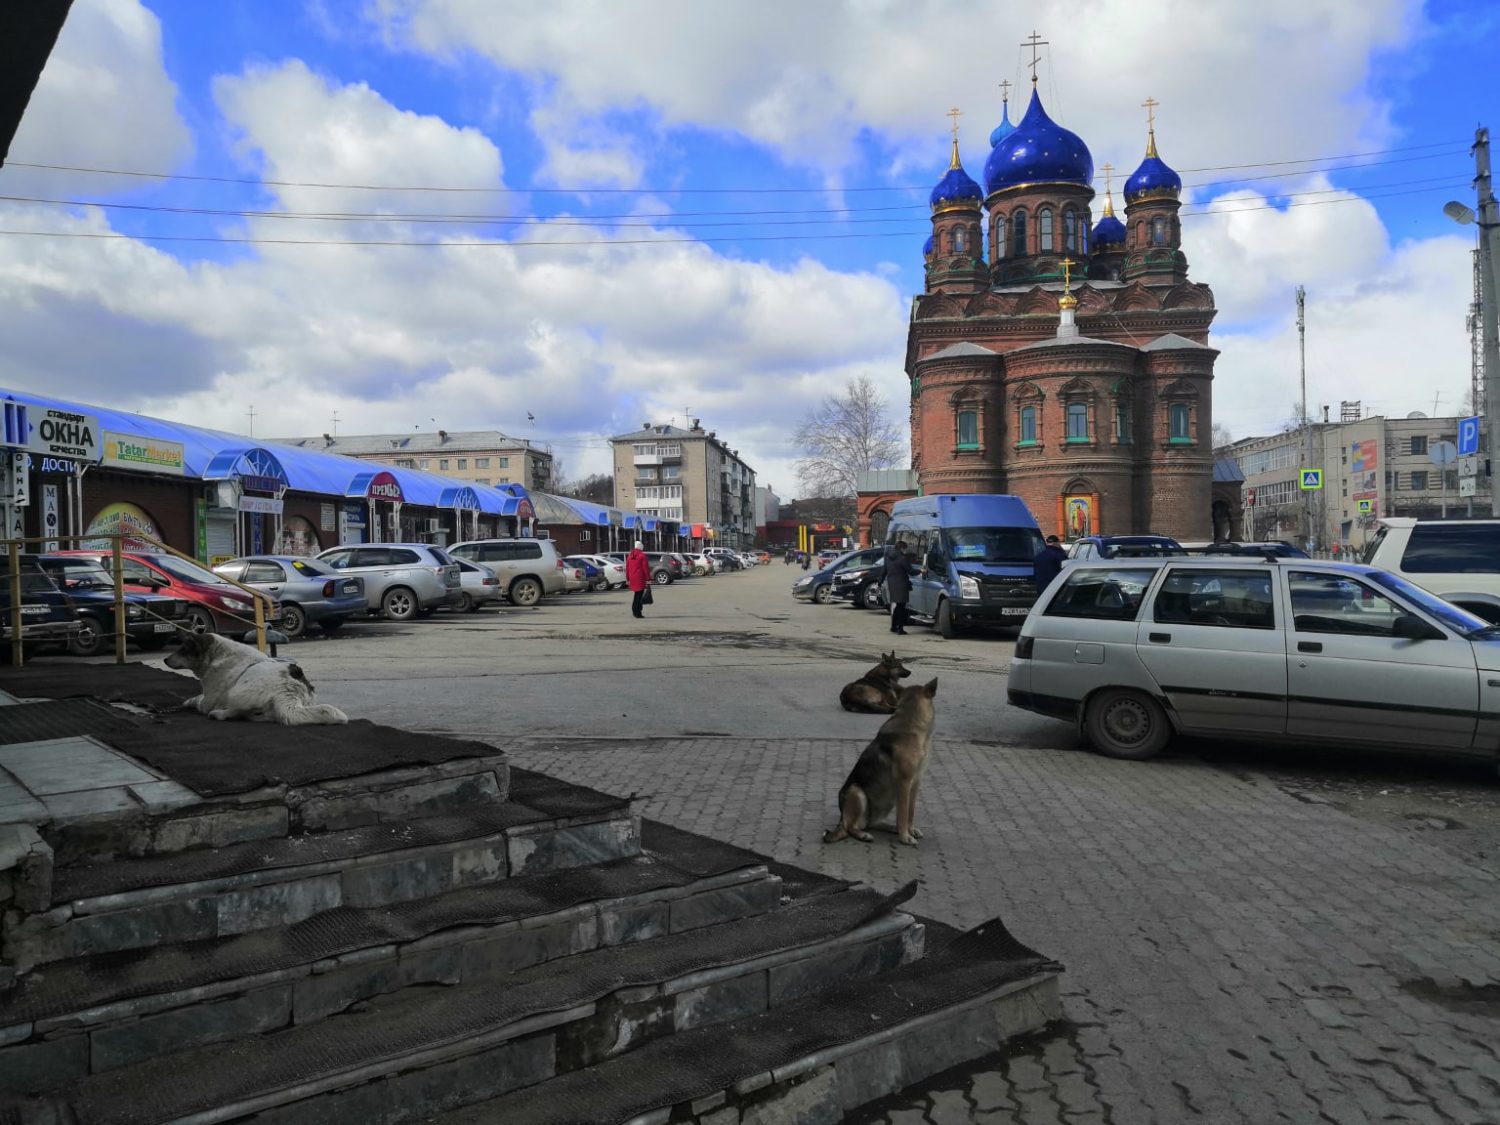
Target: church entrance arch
1078, 510
880, 525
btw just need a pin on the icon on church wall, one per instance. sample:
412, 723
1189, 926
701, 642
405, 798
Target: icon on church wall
1078, 514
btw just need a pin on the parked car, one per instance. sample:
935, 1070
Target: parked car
215, 605
863, 584
1269, 548
309, 590
402, 580
823, 558
763, 557
479, 585
527, 568
593, 573
730, 558
817, 586
975, 551
703, 563
748, 559
47, 614
666, 567
151, 620
575, 579
1125, 547
1261, 649
1456, 559
611, 568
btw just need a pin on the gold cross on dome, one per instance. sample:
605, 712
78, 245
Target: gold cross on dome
1149, 105
1067, 265
1005, 90
1108, 168
1034, 41
955, 113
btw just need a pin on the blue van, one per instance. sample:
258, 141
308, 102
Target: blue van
976, 552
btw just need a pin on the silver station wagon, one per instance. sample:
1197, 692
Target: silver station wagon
1297, 650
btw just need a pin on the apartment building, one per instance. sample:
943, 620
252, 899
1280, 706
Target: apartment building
689, 475
1372, 467
481, 456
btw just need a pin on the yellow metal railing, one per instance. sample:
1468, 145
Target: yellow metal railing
13, 549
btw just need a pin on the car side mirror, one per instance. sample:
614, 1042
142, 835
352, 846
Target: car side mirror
1412, 628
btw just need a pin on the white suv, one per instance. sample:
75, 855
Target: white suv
527, 568
1459, 560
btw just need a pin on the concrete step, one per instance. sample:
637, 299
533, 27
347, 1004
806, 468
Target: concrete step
188, 896
818, 1059
502, 1027
92, 1014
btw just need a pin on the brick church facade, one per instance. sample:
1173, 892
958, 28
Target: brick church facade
1059, 359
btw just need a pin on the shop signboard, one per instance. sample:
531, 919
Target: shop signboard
252, 483
326, 518
124, 519
17, 484
61, 433
384, 486
152, 455
49, 516
261, 505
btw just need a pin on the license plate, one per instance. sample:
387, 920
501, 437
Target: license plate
33, 611
351, 587
1014, 611
163, 627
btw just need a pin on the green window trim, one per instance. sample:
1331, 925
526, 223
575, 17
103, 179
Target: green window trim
1180, 441
1079, 440
1027, 441
967, 445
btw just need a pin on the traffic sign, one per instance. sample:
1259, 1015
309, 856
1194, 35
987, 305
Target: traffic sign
1249, 497
1442, 453
1468, 486
1468, 466
1468, 435
1366, 507
1311, 479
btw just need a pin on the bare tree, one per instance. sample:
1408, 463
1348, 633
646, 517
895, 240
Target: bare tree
1222, 437
845, 435
596, 488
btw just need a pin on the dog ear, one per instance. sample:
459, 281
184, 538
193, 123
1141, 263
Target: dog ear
930, 687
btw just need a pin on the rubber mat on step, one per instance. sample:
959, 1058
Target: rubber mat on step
694, 1064
88, 982
688, 850
140, 684
556, 797
62, 718
393, 1028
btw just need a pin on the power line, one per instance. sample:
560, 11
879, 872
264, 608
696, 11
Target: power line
640, 191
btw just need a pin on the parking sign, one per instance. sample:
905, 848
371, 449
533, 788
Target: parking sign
1468, 435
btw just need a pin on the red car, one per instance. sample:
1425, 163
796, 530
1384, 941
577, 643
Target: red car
214, 605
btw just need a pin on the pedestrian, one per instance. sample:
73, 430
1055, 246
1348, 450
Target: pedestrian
1337, 550
898, 572
1047, 564
638, 578
806, 560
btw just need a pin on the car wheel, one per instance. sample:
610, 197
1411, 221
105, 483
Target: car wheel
88, 640
946, 628
399, 604
1126, 724
871, 596
293, 620
332, 624
662, 577
525, 592
821, 594
467, 603
199, 620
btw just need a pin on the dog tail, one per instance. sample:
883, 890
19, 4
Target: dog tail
299, 712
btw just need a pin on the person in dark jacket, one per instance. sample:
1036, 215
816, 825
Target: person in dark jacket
637, 577
898, 572
1048, 564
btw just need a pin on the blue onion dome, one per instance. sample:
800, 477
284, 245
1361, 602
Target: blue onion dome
1005, 128
956, 190
1153, 179
927, 247
1108, 231
1038, 151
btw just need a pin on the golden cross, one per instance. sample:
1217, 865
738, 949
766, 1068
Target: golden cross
1034, 41
955, 113
1149, 105
1067, 265
1005, 90
1108, 168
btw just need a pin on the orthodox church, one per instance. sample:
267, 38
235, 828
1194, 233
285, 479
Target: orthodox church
1058, 358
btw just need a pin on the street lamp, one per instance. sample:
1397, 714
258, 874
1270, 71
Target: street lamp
1488, 221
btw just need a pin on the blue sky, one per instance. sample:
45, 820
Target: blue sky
630, 124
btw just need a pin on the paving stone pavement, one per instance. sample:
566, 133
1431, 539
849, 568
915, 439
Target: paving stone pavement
1234, 954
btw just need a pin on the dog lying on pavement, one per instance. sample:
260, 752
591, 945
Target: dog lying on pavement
240, 683
877, 690
888, 773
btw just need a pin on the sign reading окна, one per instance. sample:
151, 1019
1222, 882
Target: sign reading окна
61, 433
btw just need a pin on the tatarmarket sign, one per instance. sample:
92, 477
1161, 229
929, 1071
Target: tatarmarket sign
126, 451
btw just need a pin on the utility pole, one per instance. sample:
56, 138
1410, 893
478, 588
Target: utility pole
1307, 496
1489, 262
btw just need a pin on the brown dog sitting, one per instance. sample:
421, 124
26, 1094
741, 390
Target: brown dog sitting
875, 692
889, 771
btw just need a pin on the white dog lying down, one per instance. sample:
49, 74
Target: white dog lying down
241, 683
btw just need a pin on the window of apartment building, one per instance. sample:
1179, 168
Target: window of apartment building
482, 480
1418, 446
505, 462
645, 472
426, 464
403, 463
671, 472
481, 462
443, 463
463, 462
1419, 476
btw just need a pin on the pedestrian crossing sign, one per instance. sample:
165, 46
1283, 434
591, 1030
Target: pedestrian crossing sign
1311, 479
1366, 507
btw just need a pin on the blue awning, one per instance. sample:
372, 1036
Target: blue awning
246, 461
595, 514
461, 497
647, 523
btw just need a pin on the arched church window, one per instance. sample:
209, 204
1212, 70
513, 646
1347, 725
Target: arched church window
1018, 233
1044, 230
1028, 424
1078, 421
958, 241
1083, 237
997, 249
1179, 420
1070, 231
1158, 231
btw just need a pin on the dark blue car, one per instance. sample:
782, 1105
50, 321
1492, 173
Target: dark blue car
817, 586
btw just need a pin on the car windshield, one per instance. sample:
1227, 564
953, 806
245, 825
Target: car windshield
441, 556
1459, 620
85, 577
993, 544
184, 571
312, 568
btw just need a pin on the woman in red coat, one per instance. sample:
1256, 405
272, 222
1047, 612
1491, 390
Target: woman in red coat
637, 577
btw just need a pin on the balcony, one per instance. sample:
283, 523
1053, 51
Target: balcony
647, 459
646, 482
